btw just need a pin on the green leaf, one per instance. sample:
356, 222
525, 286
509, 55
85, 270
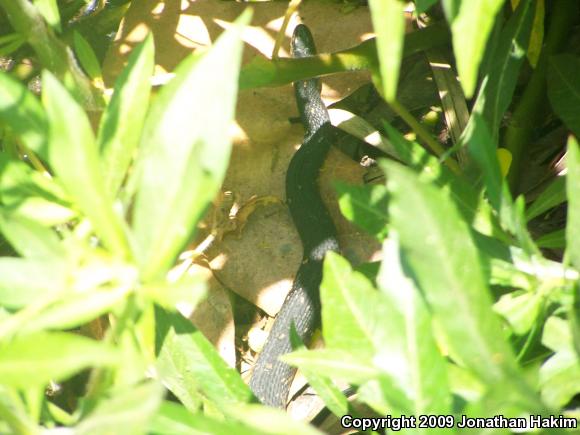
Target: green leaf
10, 43
353, 313
471, 23
50, 12
564, 89
74, 158
13, 413
74, 310
497, 88
421, 372
189, 366
423, 5
23, 113
483, 151
343, 364
437, 245
174, 419
560, 374
127, 411
34, 360
185, 150
87, 57
270, 420
553, 240
331, 395
123, 119
23, 282
573, 193
365, 206
389, 25
551, 196
520, 309
30, 239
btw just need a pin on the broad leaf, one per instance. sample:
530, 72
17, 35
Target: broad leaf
564, 89
341, 364
471, 23
272, 421
126, 411
365, 206
551, 196
496, 91
573, 193
174, 419
87, 57
190, 367
122, 122
421, 372
354, 314
23, 282
437, 245
34, 360
185, 150
29, 121
74, 158
389, 25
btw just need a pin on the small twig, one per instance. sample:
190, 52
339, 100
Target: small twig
292, 6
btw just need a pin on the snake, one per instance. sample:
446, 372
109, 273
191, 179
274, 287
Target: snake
271, 378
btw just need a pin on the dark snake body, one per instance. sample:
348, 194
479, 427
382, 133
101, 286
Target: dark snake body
272, 378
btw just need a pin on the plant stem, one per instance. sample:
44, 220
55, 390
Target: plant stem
51, 51
530, 108
424, 135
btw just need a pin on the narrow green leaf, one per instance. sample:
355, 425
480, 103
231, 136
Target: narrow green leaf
564, 89
354, 314
560, 374
341, 364
10, 43
30, 239
423, 5
551, 196
332, 396
189, 366
520, 309
74, 158
174, 419
127, 411
74, 310
28, 122
122, 122
573, 193
269, 420
185, 150
24, 282
389, 24
14, 414
497, 88
365, 206
553, 240
471, 23
422, 371
437, 245
34, 360
50, 12
483, 151
87, 57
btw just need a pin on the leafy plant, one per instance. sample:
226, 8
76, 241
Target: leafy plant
473, 310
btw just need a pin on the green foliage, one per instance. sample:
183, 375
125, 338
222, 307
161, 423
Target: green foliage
473, 309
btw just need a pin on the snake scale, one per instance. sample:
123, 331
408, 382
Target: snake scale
272, 378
